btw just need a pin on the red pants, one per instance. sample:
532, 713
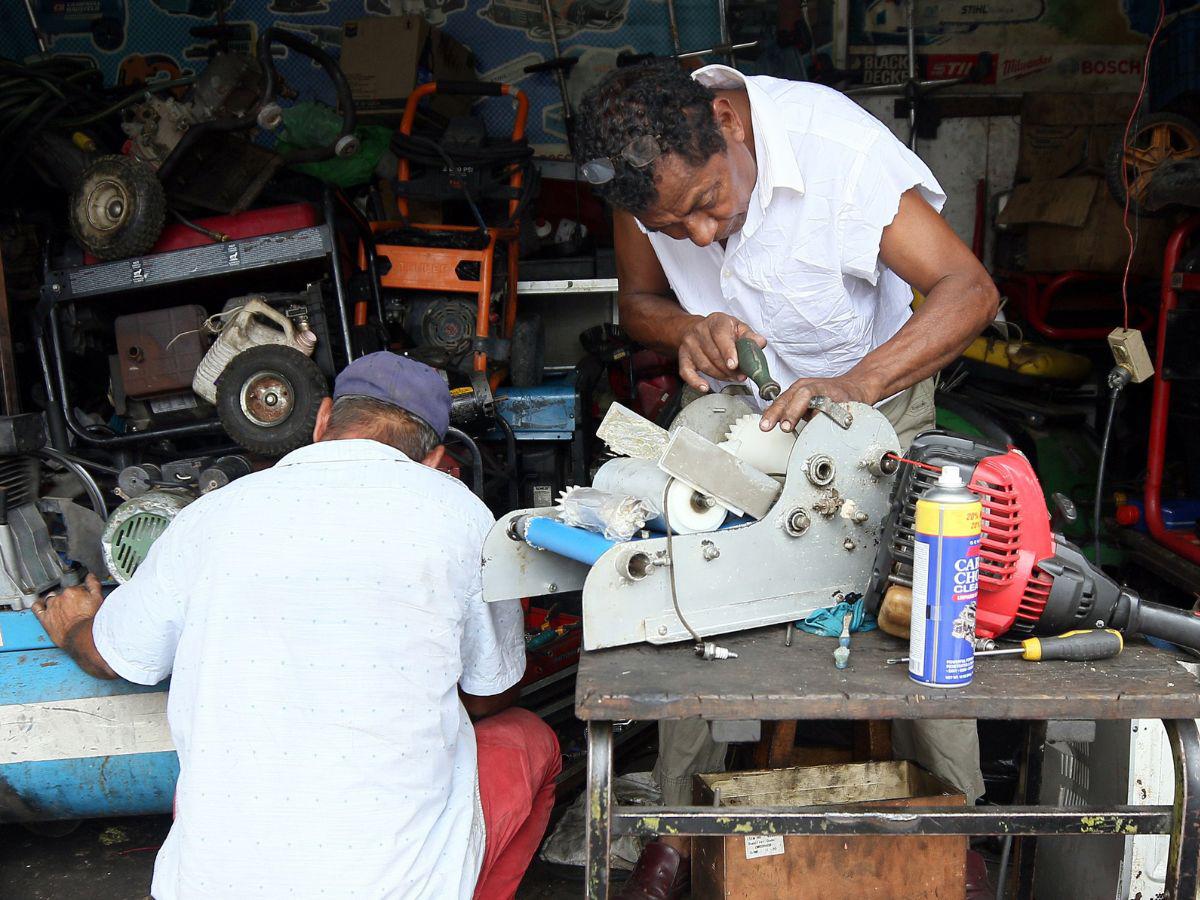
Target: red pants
518, 762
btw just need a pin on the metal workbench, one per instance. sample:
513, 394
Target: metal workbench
771, 682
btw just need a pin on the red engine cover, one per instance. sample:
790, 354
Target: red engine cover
1016, 536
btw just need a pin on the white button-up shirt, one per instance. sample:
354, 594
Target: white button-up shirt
804, 271
317, 619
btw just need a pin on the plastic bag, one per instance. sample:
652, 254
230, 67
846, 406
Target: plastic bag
616, 516
311, 124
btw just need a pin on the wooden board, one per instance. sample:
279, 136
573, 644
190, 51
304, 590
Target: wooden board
881, 867
771, 681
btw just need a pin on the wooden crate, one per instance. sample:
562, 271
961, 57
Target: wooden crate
883, 867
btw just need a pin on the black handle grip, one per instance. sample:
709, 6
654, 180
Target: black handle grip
1098, 643
1175, 625
471, 88
566, 63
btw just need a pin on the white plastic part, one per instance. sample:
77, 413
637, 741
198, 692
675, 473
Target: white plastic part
950, 477
643, 478
1129, 351
255, 324
767, 451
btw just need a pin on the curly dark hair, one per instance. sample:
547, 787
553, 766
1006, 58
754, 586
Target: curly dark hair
655, 98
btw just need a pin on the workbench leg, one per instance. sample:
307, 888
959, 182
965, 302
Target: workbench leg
1030, 791
1183, 861
599, 810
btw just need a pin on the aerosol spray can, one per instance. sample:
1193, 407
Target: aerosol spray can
945, 584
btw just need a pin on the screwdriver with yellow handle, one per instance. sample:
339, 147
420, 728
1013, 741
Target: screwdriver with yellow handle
1081, 646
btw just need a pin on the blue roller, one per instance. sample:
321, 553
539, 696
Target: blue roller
76, 747
565, 540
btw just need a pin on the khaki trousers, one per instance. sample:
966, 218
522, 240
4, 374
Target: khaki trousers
949, 748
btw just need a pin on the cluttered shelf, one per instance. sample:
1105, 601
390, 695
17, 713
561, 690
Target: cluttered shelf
771, 681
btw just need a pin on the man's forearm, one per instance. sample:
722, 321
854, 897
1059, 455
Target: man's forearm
81, 647
654, 321
954, 313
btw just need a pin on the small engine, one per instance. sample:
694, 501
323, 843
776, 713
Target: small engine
228, 87
1031, 580
441, 328
30, 565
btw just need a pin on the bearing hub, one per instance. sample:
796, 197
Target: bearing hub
266, 399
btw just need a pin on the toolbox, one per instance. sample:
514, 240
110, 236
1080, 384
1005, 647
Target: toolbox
883, 866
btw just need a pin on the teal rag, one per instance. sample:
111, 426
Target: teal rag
828, 622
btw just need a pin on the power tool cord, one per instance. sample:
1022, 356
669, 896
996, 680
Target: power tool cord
1117, 379
671, 565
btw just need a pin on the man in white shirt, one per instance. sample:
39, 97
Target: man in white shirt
328, 646
781, 211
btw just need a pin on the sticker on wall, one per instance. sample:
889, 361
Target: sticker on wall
299, 7
570, 16
887, 19
196, 9
138, 68
327, 37
513, 72
102, 20
243, 37
434, 11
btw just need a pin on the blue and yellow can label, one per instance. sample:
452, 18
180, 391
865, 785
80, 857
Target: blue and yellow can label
945, 591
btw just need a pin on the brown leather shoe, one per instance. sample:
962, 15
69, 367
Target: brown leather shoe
979, 886
660, 874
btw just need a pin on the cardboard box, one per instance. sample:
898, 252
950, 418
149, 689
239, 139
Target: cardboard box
1075, 224
818, 866
1069, 134
384, 58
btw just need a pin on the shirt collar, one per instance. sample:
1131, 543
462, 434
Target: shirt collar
773, 151
349, 450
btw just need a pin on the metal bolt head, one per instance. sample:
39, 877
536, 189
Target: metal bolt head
1099, 623
551, 587
709, 550
859, 517
798, 522
849, 544
662, 630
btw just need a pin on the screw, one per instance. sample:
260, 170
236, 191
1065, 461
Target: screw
709, 550
849, 544
859, 517
798, 522
662, 630
1099, 623
551, 587
56, 288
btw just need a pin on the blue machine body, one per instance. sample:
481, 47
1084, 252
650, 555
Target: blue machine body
548, 412
76, 747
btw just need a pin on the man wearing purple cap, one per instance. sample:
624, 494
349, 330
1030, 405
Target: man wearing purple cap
340, 692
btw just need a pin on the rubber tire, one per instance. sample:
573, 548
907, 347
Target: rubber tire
1116, 162
142, 222
309, 388
527, 357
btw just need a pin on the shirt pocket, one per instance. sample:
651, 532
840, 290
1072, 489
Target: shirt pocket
806, 308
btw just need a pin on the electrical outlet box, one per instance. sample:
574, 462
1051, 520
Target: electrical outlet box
1129, 351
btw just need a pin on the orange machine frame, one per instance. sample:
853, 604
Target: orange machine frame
435, 268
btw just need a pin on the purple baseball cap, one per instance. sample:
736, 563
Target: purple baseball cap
390, 378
